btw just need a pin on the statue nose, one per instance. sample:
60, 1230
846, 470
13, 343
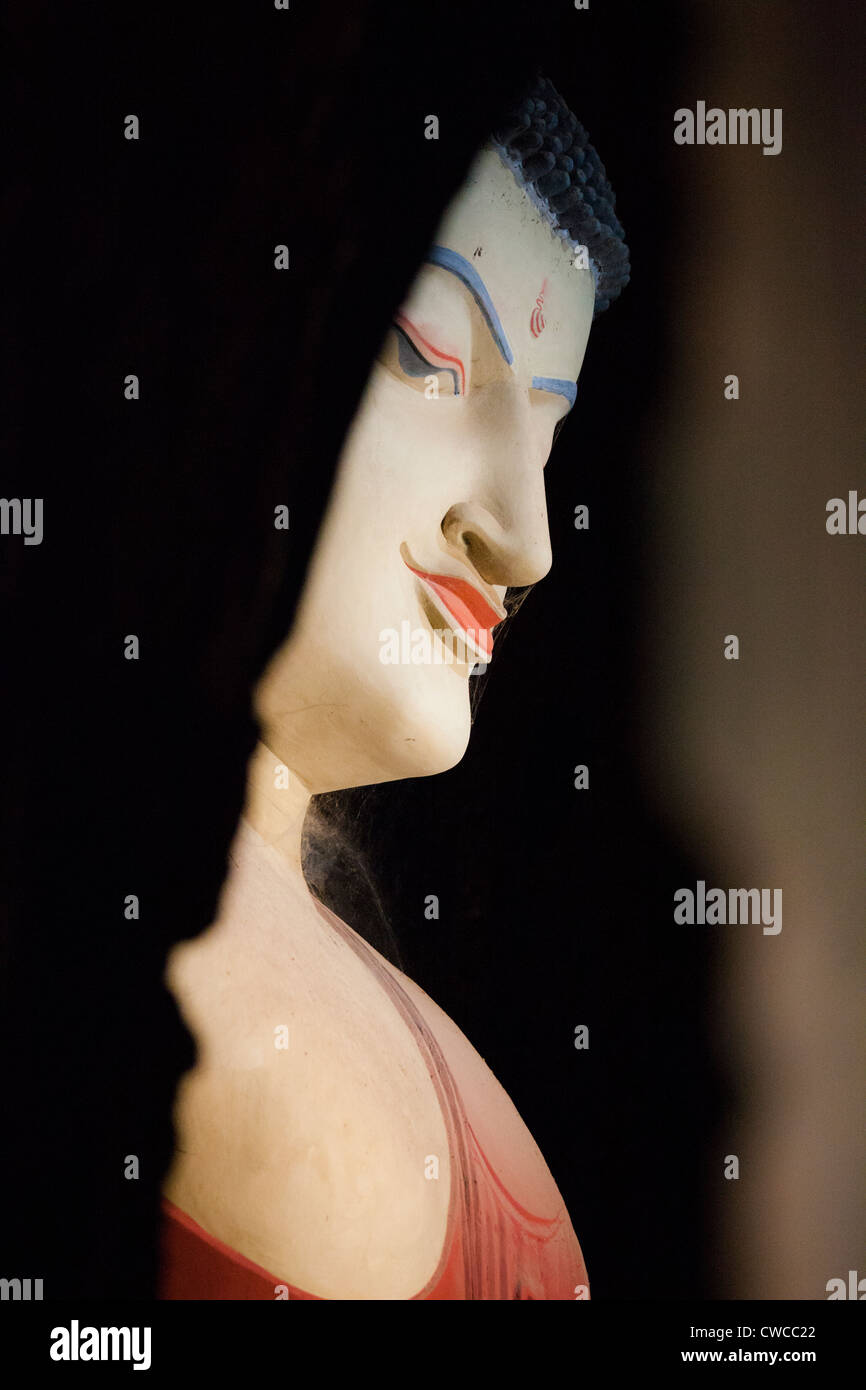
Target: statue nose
512, 556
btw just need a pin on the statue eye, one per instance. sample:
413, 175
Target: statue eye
412, 361
404, 359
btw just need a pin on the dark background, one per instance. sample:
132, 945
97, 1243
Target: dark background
156, 257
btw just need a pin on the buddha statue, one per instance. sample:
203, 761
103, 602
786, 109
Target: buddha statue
339, 1137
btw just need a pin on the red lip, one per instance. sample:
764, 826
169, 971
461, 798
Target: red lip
466, 605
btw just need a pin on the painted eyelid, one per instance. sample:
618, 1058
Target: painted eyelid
414, 346
415, 337
414, 364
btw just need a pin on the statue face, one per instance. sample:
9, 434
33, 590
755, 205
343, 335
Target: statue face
438, 505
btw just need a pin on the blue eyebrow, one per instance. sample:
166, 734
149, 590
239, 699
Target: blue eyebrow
459, 266
560, 387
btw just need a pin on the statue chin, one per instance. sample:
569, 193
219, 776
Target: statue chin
438, 506
413, 722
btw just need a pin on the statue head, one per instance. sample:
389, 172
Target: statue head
438, 506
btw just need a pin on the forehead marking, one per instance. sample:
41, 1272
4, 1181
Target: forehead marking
536, 318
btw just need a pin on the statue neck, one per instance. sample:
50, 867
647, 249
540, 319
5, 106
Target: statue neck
276, 804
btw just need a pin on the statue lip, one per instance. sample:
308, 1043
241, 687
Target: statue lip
466, 605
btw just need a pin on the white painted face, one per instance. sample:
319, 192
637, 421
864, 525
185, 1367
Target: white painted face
438, 505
